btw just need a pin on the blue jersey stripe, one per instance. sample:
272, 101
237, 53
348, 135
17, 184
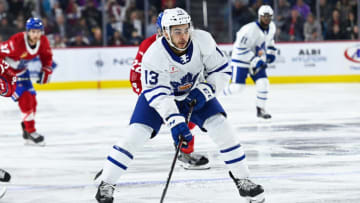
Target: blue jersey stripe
171, 115
157, 87
156, 96
235, 160
219, 69
239, 61
116, 163
245, 52
124, 151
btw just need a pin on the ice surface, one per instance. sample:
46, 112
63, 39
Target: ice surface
308, 152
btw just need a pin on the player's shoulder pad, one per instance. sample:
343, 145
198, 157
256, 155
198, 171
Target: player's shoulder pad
154, 56
247, 30
204, 41
272, 28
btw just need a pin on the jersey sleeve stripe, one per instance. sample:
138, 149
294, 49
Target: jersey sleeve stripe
242, 53
220, 52
219, 69
156, 96
171, 115
242, 48
240, 61
161, 86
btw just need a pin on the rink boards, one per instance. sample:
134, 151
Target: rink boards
88, 68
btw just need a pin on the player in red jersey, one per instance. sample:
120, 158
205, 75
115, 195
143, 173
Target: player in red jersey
17, 52
188, 159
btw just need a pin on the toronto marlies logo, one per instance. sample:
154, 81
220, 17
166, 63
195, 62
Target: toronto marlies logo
185, 85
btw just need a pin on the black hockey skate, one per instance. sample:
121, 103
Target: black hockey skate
4, 176
262, 114
33, 138
193, 161
105, 193
252, 192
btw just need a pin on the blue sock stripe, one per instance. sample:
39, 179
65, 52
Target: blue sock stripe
230, 149
263, 92
235, 160
124, 151
116, 163
262, 98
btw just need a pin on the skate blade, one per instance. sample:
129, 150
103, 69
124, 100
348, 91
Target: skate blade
2, 192
31, 143
258, 199
192, 167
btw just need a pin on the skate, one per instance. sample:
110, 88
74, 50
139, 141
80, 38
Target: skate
2, 192
33, 138
4, 176
105, 193
252, 192
193, 161
262, 114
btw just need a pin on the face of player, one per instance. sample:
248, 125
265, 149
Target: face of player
180, 35
265, 20
34, 36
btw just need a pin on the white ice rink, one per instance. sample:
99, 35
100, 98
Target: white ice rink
309, 152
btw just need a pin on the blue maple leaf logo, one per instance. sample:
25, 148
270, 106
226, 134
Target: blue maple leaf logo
185, 85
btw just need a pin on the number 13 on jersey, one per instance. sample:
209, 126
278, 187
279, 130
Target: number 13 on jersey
151, 77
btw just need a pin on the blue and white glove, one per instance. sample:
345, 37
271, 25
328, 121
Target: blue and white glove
201, 94
180, 129
270, 54
256, 64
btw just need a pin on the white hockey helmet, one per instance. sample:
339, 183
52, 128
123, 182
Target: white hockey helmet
175, 16
265, 9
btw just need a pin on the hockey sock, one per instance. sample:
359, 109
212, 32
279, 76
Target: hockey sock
231, 152
121, 153
262, 90
27, 104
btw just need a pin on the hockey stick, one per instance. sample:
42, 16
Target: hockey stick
192, 104
259, 69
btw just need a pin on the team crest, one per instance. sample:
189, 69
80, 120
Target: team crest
185, 85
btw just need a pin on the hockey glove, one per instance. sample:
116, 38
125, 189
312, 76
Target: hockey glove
45, 75
201, 94
7, 80
135, 80
180, 129
256, 65
270, 54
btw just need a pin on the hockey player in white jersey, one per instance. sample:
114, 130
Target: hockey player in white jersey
253, 50
184, 65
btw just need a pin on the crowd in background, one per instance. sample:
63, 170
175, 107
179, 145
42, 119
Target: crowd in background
77, 23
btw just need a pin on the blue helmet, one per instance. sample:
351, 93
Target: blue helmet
158, 21
34, 23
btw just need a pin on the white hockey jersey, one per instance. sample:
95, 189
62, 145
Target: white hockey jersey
252, 41
167, 77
